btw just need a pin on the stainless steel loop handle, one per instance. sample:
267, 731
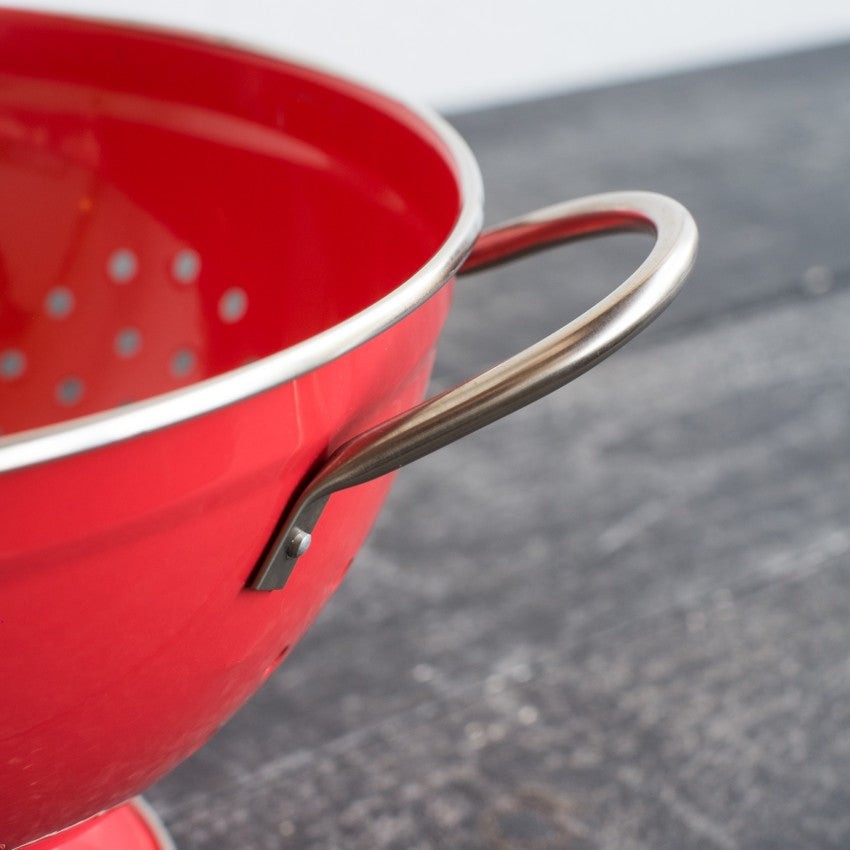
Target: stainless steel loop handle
534, 372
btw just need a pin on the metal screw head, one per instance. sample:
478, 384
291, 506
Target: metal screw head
298, 543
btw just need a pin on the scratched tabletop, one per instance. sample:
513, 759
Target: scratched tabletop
619, 618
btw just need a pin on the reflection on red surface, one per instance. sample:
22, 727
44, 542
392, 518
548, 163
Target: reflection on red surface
169, 210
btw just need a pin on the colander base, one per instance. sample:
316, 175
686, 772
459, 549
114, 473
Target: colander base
133, 826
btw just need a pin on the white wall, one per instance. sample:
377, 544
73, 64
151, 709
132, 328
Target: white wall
461, 53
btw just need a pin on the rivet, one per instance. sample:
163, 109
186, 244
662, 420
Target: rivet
298, 543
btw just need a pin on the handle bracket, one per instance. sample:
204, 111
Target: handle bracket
523, 378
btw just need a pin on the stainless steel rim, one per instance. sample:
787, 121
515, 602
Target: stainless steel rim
38, 445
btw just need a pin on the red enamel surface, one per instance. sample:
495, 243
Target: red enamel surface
127, 635
302, 196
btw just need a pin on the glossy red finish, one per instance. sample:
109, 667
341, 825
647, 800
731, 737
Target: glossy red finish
127, 635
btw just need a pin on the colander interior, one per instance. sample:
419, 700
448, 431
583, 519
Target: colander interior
171, 210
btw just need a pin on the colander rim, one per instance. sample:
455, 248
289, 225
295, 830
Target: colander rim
93, 431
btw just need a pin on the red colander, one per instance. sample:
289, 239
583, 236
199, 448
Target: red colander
222, 278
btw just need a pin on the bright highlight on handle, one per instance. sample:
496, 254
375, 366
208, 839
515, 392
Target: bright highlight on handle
523, 378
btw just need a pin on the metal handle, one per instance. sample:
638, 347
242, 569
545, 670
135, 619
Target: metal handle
527, 376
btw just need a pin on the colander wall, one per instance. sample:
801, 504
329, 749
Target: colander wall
215, 267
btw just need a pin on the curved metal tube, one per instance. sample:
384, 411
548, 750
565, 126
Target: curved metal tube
523, 378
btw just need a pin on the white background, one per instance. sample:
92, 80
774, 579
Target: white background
458, 54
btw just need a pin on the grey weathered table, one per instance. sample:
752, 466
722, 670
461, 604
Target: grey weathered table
621, 618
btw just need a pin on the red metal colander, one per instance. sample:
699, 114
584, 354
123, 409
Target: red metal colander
222, 278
